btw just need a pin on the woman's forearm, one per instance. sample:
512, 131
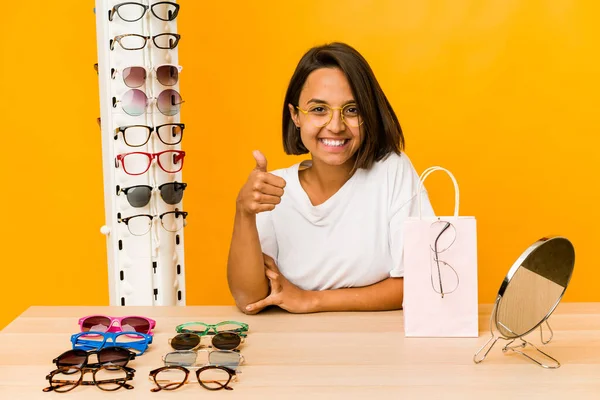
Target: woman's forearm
385, 295
245, 266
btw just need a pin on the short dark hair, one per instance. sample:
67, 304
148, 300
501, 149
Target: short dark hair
382, 131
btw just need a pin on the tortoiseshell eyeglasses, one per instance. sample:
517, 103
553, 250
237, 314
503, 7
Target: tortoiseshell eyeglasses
132, 41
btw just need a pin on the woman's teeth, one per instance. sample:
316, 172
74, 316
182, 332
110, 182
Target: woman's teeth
332, 142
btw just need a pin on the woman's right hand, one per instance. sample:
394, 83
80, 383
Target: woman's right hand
262, 191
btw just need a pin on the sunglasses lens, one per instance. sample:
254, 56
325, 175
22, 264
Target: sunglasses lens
172, 193
131, 12
134, 102
167, 75
134, 76
169, 102
114, 355
170, 133
137, 197
135, 324
97, 323
185, 341
72, 358
226, 340
181, 358
228, 359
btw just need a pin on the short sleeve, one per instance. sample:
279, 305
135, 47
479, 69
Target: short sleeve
404, 204
266, 234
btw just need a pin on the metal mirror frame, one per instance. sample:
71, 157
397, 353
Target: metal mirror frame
522, 343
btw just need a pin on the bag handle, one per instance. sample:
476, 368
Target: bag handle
428, 172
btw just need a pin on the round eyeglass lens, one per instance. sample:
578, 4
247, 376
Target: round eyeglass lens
134, 102
213, 378
185, 341
66, 379
169, 102
110, 377
170, 378
226, 340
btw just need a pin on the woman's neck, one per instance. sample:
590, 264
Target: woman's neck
321, 181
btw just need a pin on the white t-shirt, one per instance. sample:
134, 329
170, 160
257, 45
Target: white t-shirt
354, 238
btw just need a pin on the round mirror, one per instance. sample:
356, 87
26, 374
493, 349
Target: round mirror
534, 286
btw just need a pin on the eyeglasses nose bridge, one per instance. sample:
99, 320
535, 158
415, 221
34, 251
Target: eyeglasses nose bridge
332, 112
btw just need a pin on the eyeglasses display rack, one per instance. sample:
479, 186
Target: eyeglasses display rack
142, 158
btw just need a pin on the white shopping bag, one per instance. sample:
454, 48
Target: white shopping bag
440, 273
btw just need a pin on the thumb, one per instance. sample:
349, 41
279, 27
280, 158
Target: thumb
261, 161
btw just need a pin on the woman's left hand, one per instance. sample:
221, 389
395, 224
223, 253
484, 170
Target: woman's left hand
283, 294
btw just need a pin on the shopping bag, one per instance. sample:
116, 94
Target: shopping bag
440, 272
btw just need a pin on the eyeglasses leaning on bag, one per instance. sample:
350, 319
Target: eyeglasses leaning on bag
440, 276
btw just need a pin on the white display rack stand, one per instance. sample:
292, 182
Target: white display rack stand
149, 269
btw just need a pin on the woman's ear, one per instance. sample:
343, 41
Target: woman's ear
294, 115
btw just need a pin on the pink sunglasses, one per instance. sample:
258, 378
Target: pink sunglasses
102, 323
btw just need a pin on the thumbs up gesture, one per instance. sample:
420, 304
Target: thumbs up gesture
262, 191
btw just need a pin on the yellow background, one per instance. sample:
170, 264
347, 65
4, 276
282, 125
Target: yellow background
504, 93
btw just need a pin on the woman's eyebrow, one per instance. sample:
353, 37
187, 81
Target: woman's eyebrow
319, 101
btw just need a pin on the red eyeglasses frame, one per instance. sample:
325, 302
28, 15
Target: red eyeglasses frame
151, 156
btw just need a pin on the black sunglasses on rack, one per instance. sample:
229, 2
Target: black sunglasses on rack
139, 195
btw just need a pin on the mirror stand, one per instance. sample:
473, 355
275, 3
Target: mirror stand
517, 348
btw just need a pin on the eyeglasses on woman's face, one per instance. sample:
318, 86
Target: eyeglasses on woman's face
320, 114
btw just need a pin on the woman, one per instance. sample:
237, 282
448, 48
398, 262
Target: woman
326, 235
